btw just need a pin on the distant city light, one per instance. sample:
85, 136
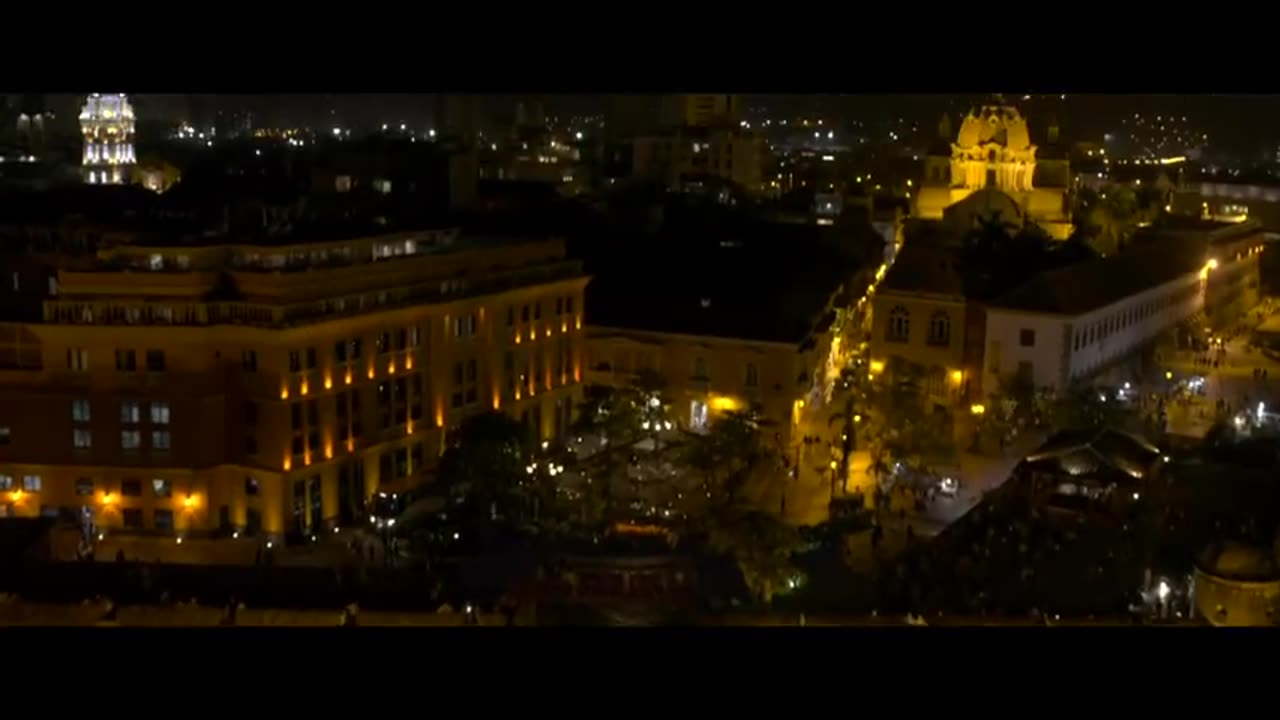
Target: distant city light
579, 135
337, 132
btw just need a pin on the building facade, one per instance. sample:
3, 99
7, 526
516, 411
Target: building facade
270, 389
993, 152
707, 376
107, 124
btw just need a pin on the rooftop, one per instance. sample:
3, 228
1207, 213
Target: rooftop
1088, 452
1088, 286
743, 290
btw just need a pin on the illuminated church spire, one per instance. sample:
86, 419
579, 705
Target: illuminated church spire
107, 124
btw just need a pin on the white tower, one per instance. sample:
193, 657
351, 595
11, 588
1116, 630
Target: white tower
107, 124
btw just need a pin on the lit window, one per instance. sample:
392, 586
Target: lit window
80, 410
31, 483
6, 482
84, 486
81, 439
159, 413
160, 440
130, 439
940, 329
77, 359
130, 411
162, 488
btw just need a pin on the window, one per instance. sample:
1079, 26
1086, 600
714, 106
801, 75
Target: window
4, 434
295, 361
753, 376
415, 336
537, 310
940, 329
568, 305
126, 361
159, 412
524, 314
401, 339
340, 352
251, 413
1027, 338
295, 416
313, 413
384, 343
160, 439
6, 482
251, 486
296, 445
77, 360
31, 483
250, 445
131, 488
464, 326
130, 439
249, 360
311, 358
84, 486
131, 518
700, 368
130, 411
163, 520
155, 361
353, 350
81, 439
162, 488
80, 410
899, 328
559, 306
511, 316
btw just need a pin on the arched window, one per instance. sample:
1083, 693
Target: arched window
899, 329
940, 329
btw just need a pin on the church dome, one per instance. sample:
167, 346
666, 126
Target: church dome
1004, 126
986, 204
1242, 562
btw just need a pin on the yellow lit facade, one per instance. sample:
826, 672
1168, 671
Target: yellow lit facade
107, 123
992, 166
707, 376
272, 389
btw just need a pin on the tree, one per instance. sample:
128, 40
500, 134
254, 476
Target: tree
761, 545
729, 456
484, 469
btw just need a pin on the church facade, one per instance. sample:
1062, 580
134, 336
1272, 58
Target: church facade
993, 170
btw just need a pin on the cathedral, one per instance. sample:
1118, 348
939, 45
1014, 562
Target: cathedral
107, 124
992, 170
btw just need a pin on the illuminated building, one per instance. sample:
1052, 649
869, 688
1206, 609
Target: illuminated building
1238, 585
1086, 471
269, 389
1229, 256
107, 124
740, 328
991, 168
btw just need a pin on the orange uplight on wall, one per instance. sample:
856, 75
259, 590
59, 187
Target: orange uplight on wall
577, 374
16, 495
347, 377
284, 393
408, 362
189, 502
439, 416
564, 326
391, 367
533, 334
370, 372
518, 393
351, 444
108, 498
577, 324
288, 463
408, 428
328, 382
548, 330
328, 451
304, 387
306, 458
497, 401
517, 337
